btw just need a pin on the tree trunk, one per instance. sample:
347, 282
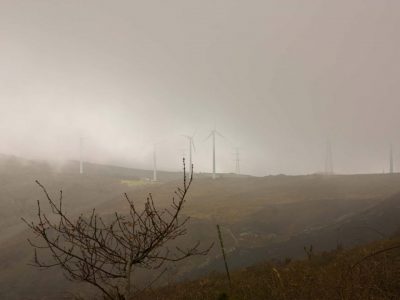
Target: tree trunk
128, 280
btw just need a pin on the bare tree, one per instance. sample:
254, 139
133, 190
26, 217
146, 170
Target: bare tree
104, 252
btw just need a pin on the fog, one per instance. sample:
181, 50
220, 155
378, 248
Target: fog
277, 78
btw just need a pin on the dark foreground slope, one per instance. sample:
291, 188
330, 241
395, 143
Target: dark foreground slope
365, 272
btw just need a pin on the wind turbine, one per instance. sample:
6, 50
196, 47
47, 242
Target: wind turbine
237, 160
212, 134
81, 155
191, 146
154, 163
328, 159
391, 161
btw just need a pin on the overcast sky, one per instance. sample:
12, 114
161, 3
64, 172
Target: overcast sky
279, 78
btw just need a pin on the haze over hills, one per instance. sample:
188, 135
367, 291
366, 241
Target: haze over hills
300, 99
18, 190
278, 78
261, 217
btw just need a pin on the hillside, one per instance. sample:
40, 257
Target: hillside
262, 218
99, 183
365, 272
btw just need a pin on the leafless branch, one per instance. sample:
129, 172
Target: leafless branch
102, 252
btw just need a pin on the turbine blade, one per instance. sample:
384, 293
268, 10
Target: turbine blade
217, 132
211, 133
194, 147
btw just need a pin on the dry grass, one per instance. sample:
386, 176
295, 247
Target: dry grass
368, 272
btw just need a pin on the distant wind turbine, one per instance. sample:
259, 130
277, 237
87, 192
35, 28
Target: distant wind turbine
212, 134
81, 155
391, 161
328, 159
191, 146
154, 163
237, 160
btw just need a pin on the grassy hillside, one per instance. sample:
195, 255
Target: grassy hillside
272, 217
366, 272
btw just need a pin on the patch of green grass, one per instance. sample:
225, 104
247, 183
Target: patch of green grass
137, 182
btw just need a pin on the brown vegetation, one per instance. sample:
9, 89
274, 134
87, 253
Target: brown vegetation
368, 272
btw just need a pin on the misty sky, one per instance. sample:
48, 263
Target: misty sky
278, 77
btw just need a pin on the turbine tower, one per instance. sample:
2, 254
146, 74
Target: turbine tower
154, 164
212, 134
328, 159
391, 162
81, 155
191, 147
237, 171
